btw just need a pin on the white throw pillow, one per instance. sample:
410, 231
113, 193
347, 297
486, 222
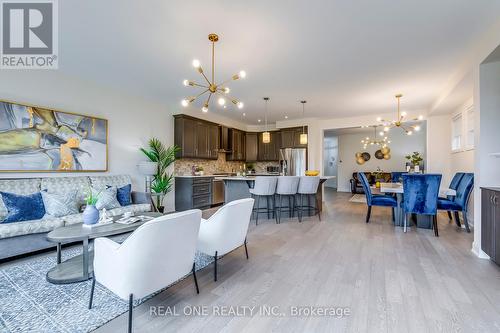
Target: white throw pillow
60, 204
106, 198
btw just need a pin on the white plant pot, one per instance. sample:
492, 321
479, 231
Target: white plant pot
148, 168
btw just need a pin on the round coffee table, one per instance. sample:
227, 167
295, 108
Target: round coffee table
80, 267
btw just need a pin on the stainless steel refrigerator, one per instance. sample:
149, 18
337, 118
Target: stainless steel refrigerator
293, 161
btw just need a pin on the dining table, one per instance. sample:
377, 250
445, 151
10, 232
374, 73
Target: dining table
423, 221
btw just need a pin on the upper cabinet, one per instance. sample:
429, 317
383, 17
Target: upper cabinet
196, 138
290, 137
251, 147
269, 151
236, 145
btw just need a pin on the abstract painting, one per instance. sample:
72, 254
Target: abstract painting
39, 139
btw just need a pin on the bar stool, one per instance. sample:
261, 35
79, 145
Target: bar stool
308, 186
287, 187
264, 186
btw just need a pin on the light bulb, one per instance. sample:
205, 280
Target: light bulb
303, 139
244, 114
386, 129
367, 138
381, 133
403, 114
243, 74
420, 117
379, 119
409, 132
240, 105
389, 141
205, 108
227, 90
184, 102
196, 63
371, 143
185, 82
286, 117
258, 120
221, 101
417, 128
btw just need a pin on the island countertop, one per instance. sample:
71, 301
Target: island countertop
247, 178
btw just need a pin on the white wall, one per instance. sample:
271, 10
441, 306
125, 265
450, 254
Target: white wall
401, 145
439, 146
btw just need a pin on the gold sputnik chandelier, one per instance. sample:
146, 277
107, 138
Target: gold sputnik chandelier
400, 121
375, 141
210, 86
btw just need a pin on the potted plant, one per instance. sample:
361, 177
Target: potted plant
415, 160
91, 214
378, 175
198, 171
164, 157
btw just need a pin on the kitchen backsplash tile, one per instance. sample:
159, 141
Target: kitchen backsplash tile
183, 166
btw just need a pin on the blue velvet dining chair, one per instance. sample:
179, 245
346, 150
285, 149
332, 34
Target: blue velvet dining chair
455, 181
420, 196
375, 199
460, 202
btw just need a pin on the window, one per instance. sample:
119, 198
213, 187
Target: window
469, 132
456, 132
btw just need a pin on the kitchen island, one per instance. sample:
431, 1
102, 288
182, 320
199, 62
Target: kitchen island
238, 187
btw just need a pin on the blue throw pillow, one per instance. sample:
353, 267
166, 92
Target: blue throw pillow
123, 195
23, 207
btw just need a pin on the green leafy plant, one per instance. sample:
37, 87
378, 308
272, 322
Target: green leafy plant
198, 169
164, 156
378, 174
414, 158
91, 198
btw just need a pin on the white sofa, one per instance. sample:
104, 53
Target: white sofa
28, 236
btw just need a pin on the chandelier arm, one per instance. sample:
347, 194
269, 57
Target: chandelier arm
208, 99
194, 84
206, 78
200, 94
224, 82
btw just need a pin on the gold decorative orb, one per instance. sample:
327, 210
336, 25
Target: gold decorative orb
387, 156
385, 150
358, 155
360, 160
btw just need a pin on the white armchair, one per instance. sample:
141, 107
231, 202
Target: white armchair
226, 230
157, 254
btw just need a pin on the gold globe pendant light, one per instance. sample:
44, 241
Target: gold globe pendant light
266, 136
210, 86
303, 136
400, 121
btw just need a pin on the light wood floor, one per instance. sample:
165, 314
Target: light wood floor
390, 281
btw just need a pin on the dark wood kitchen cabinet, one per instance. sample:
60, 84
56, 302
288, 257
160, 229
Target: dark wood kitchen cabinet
237, 145
290, 137
251, 147
269, 151
196, 138
490, 223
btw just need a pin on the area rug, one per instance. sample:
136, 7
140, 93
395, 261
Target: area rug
28, 303
358, 198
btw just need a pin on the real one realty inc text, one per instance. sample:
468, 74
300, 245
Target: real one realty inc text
250, 311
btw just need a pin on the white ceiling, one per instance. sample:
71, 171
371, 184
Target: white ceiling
346, 57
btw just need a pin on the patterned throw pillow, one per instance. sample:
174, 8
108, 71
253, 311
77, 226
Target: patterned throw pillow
106, 198
23, 207
123, 195
61, 204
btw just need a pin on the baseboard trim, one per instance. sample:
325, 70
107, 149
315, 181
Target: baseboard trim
478, 252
